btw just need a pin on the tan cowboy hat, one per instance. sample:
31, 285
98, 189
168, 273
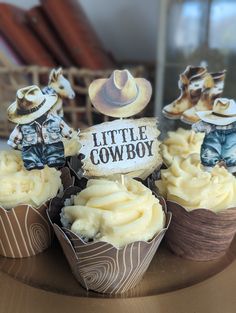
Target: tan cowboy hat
121, 95
30, 104
223, 112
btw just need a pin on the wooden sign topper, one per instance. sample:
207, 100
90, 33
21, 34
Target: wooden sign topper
120, 146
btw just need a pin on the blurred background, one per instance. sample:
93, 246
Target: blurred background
156, 39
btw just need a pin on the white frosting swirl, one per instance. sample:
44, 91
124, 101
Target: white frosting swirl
180, 143
19, 186
186, 183
109, 211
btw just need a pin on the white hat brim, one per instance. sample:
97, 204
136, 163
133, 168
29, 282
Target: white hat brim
14, 117
208, 117
103, 105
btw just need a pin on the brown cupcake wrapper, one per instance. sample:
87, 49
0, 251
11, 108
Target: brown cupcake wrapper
74, 164
25, 230
201, 234
99, 266
66, 178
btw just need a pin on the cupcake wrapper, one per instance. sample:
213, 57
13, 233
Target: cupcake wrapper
101, 267
201, 234
66, 178
25, 230
75, 166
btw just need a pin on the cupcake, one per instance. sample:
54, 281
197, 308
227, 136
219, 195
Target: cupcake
110, 232
203, 205
182, 143
24, 197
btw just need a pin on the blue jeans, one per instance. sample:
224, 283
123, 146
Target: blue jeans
219, 145
36, 156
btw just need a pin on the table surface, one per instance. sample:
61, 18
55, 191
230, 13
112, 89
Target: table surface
45, 284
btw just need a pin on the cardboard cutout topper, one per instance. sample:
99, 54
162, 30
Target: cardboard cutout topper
198, 89
213, 87
38, 132
59, 85
121, 95
219, 125
190, 84
123, 145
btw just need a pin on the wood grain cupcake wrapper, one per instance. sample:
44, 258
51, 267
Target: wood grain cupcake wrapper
101, 267
25, 230
201, 234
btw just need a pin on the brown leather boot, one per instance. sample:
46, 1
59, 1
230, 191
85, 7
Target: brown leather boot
219, 81
190, 84
213, 88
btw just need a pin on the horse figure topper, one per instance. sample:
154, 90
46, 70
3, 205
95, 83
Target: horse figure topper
60, 86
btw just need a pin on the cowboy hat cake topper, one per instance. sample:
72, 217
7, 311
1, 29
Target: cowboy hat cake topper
121, 95
38, 132
123, 145
219, 125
